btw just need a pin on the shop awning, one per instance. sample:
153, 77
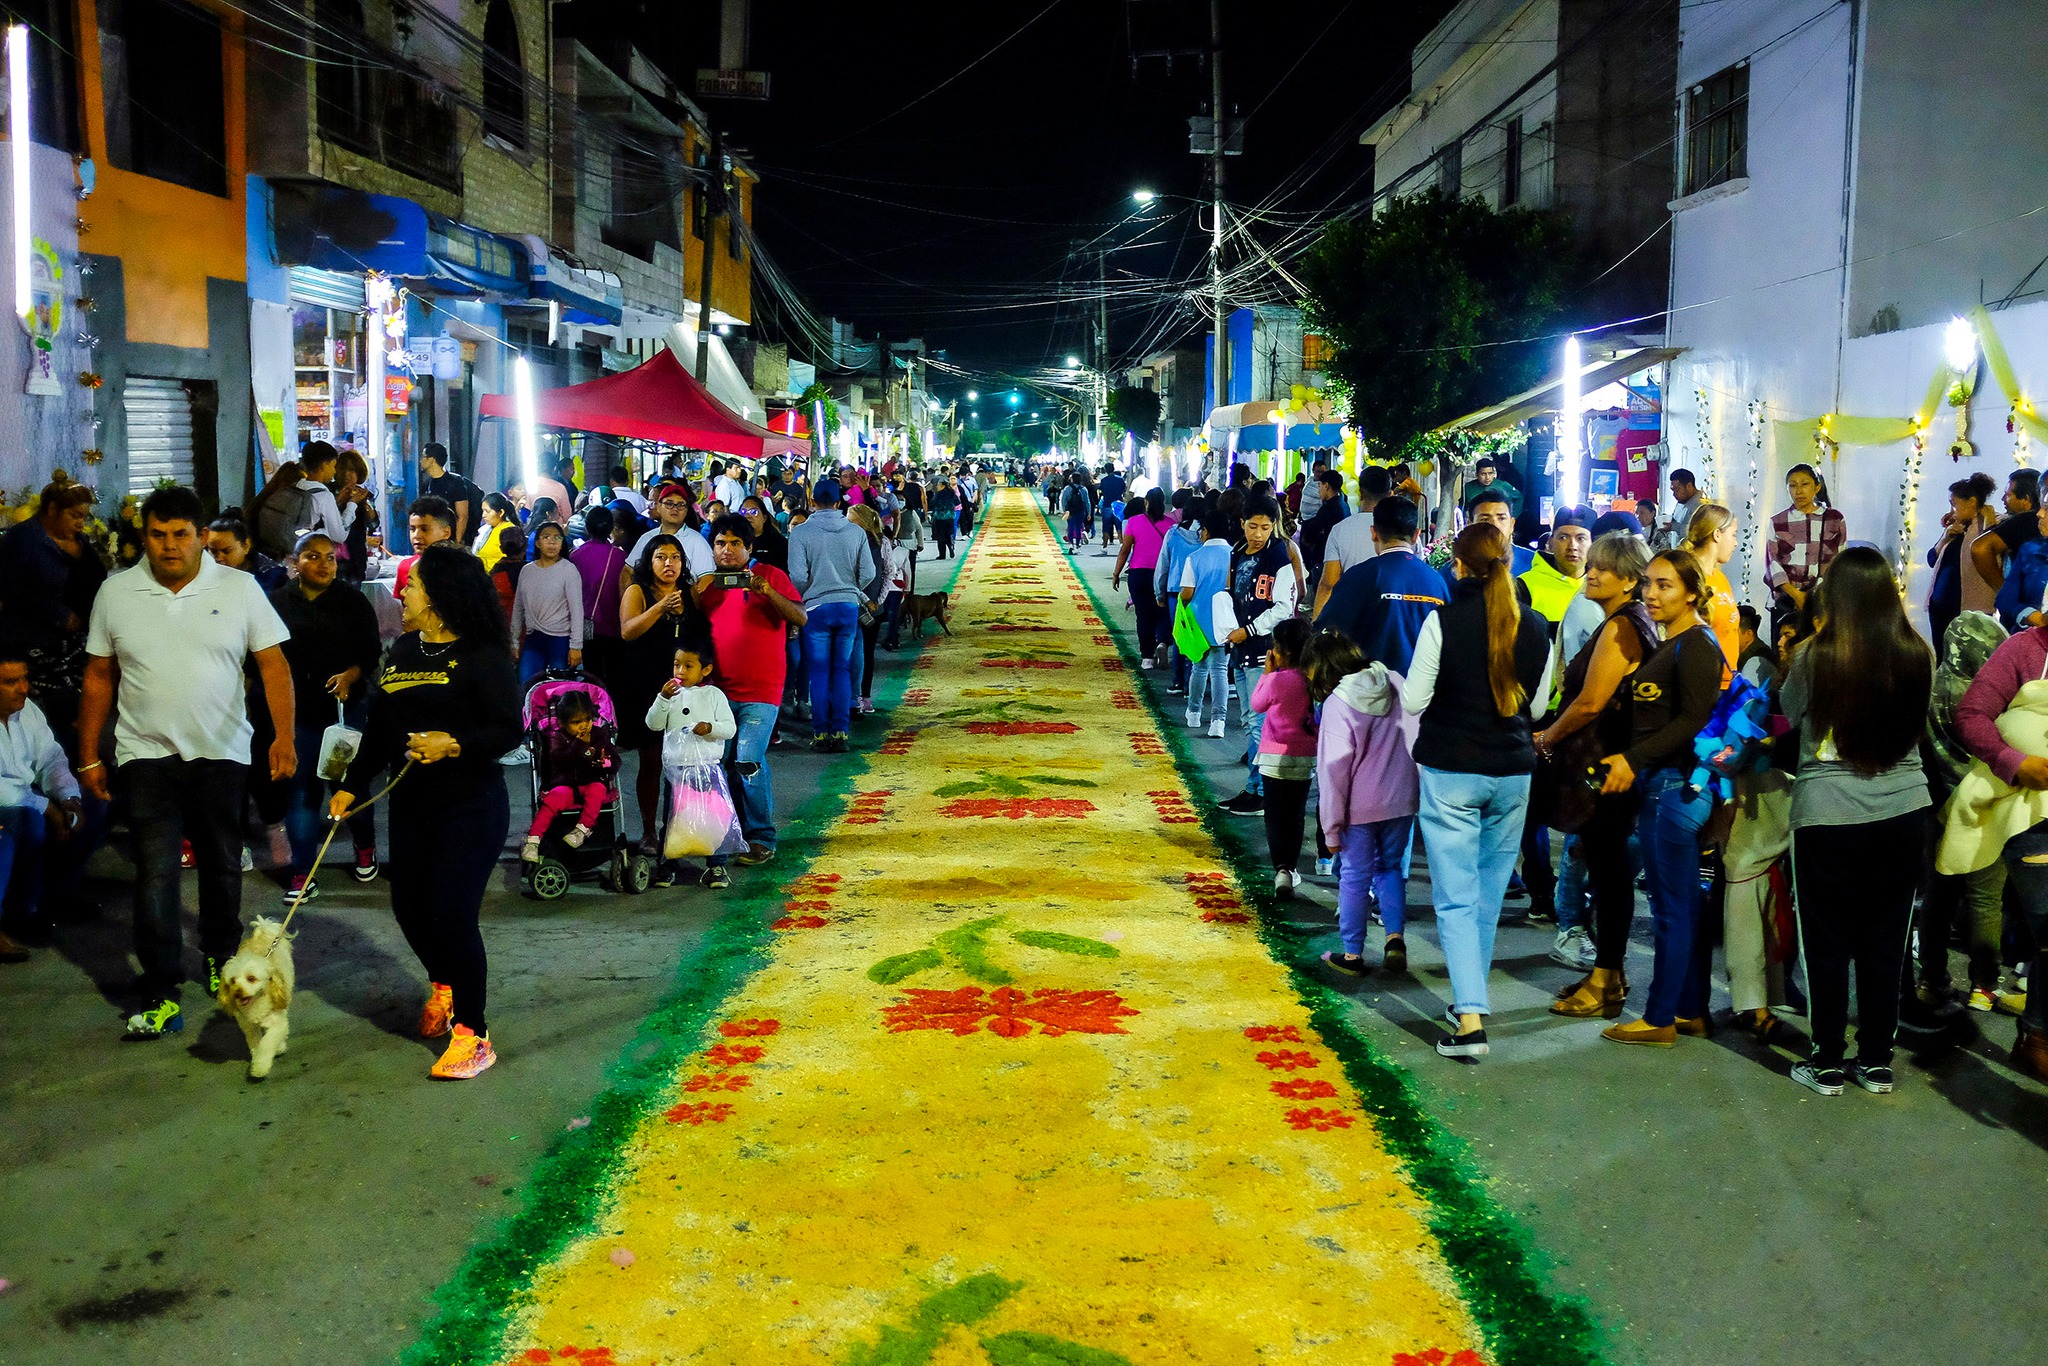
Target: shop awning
790, 422
1301, 436
654, 401
331, 228
1548, 398
589, 298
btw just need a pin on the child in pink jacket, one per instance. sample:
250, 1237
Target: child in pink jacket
1369, 792
1287, 748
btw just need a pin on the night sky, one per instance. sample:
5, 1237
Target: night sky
956, 216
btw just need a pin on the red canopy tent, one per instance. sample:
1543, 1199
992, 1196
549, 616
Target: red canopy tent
790, 422
656, 400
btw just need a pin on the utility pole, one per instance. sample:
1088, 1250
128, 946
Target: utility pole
714, 208
1219, 140
1101, 385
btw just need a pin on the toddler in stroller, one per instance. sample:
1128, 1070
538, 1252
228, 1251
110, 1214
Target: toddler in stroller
573, 733
581, 764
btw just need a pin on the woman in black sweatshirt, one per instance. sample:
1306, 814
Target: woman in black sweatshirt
448, 699
1673, 694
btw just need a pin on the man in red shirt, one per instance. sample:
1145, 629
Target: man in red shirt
750, 621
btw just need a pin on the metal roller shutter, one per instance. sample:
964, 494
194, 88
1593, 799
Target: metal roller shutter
159, 415
326, 287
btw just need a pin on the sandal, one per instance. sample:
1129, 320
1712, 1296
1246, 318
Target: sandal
1584, 1001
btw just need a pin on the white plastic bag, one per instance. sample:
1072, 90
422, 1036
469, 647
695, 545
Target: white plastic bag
701, 820
339, 744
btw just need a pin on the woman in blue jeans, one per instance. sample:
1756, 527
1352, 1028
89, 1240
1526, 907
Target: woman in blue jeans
1481, 670
1673, 693
333, 651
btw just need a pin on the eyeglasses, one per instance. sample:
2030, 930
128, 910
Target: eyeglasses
673, 503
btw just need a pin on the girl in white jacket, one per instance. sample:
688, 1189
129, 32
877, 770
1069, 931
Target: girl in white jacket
695, 721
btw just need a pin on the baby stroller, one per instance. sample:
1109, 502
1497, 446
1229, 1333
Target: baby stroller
603, 856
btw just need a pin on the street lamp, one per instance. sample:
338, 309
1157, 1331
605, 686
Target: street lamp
1143, 196
1073, 362
1015, 399
972, 396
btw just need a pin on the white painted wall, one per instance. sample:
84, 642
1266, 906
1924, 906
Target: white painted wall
1478, 56
1756, 271
1758, 296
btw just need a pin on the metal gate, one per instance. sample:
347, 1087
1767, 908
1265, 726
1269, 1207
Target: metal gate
159, 415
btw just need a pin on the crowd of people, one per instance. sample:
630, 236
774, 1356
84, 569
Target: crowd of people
1566, 713
258, 668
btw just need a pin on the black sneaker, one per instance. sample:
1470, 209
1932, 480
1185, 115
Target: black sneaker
1246, 804
1876, 1080
1828, 1081
716, 878
1471, 1045
366, 865
665, 875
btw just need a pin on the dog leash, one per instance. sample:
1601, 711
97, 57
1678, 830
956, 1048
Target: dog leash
300, 898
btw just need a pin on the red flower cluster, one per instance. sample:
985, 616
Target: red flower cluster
1009, 1011
1172, 806
866, 807
1017, 808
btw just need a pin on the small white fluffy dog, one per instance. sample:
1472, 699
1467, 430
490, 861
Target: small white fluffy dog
256, 988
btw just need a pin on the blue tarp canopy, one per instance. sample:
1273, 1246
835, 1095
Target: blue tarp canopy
1301, 436
346, 230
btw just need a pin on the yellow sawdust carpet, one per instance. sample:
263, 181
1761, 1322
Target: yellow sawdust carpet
1018, 1080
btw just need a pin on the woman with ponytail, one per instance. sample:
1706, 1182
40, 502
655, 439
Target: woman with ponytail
1481, 670
1711, 538
1673, 693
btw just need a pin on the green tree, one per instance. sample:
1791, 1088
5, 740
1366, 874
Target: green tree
1135, 411
1425, 304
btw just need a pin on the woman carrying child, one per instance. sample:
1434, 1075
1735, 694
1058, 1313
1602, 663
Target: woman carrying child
582, 757
1287, 748
694, 721
1369, 792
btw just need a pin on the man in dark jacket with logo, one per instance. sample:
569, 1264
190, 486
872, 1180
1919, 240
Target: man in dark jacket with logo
1382, 602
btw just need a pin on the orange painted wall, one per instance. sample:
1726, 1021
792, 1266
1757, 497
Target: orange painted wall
170, 239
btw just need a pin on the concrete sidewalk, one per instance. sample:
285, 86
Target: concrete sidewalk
1706, 1207
159, 1208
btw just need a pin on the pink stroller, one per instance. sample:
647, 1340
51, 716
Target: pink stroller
604, 856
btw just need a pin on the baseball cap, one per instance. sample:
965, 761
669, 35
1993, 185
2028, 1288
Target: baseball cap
680, 490
827, 491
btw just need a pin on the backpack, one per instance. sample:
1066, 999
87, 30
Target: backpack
281, 519
1080, 509
1732, 741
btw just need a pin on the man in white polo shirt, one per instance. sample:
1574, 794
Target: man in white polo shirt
171, 636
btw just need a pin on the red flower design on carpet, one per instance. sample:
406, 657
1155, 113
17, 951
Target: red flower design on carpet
1436, 1356
733, 1054
1275, 1034
1288, 1060
718, 1081
1301, 1088
596, 1356
1320, 1120
749, 1028
1017, 808
799, 922
1226, 917
698, 1112
1021, 728
1009, 1011
1023, 663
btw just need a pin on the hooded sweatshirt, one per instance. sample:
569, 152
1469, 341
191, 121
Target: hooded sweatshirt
1363, 766
830, 559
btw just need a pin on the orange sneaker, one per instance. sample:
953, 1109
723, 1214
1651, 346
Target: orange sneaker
439, 1010
468, 1054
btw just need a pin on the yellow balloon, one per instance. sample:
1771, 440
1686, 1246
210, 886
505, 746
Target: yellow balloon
1425, 468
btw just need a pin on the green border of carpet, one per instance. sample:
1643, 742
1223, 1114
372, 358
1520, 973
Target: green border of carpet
1489, 1254
572, 1181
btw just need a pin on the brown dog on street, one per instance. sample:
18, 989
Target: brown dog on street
921, 607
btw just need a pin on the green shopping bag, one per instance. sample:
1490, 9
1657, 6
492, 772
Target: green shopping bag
1187, 633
